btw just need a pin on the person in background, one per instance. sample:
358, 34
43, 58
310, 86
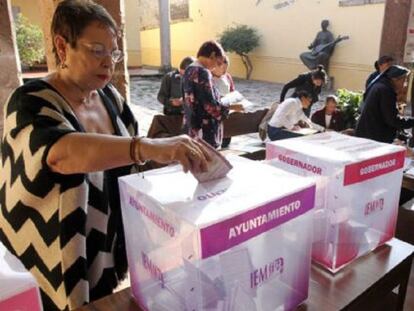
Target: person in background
67, 138
287, 116
329, 116
203, 111
382, 64
171, 90
380, 119
223, 81
310, 82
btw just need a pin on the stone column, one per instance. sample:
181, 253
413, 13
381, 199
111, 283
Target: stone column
121, 78
394, 34
165, 41
10, 74
394, 28
47, 8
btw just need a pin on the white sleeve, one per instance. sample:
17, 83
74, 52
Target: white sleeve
308, 121
282, 116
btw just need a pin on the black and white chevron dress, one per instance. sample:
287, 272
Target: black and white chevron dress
66, 229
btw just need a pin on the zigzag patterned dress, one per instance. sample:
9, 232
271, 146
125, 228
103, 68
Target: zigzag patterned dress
66, 229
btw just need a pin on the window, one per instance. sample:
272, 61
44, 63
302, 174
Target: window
179, 10
358, 2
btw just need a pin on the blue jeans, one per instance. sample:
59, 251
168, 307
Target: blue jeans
276, 133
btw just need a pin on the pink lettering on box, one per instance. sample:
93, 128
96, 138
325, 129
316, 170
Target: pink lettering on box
153, 217
368, 169
210, 195
267, 272
152, 268
300, 164
374, 206
231, 232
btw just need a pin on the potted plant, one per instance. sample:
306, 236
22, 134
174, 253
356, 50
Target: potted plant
349, 103
29, 42
241, 39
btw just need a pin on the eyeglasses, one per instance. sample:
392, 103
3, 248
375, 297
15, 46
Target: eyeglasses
99, 51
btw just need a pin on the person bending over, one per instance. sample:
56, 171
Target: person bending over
285, 121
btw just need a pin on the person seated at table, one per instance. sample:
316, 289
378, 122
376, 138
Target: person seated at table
203, 111
310, 82
330, 117
285, 121
67, 138
171, 90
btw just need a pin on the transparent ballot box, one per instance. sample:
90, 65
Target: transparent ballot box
357, 193
242, 242
18, 288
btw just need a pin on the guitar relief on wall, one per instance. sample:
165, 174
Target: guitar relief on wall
279, 4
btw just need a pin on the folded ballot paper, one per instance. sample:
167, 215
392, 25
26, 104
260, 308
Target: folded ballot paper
18, 288
358, 184
218, 166
241, 242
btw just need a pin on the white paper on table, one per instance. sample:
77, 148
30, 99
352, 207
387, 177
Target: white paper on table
410, 172
408, 163
305, 131
236, 97
232, 98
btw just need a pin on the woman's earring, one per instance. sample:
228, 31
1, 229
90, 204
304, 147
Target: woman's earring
63, 61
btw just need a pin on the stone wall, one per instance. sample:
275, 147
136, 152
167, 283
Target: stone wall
10, 74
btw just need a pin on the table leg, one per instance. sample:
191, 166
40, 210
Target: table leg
402, 291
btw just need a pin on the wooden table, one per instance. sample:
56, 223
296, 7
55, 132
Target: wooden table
249, 146
360, 286
408, 183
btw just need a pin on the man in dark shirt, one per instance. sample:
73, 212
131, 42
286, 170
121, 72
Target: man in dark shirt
329, 116
382, 64
171, 91
380, 119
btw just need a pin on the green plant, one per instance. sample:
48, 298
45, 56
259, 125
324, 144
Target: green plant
349, 103
241, 39
29, 41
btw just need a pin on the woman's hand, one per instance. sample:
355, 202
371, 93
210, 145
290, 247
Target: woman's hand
191, 154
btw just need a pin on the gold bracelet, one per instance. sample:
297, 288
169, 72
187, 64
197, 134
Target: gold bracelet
134, 150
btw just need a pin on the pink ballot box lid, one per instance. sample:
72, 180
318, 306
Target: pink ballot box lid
18, 288
184, 196
362, 159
